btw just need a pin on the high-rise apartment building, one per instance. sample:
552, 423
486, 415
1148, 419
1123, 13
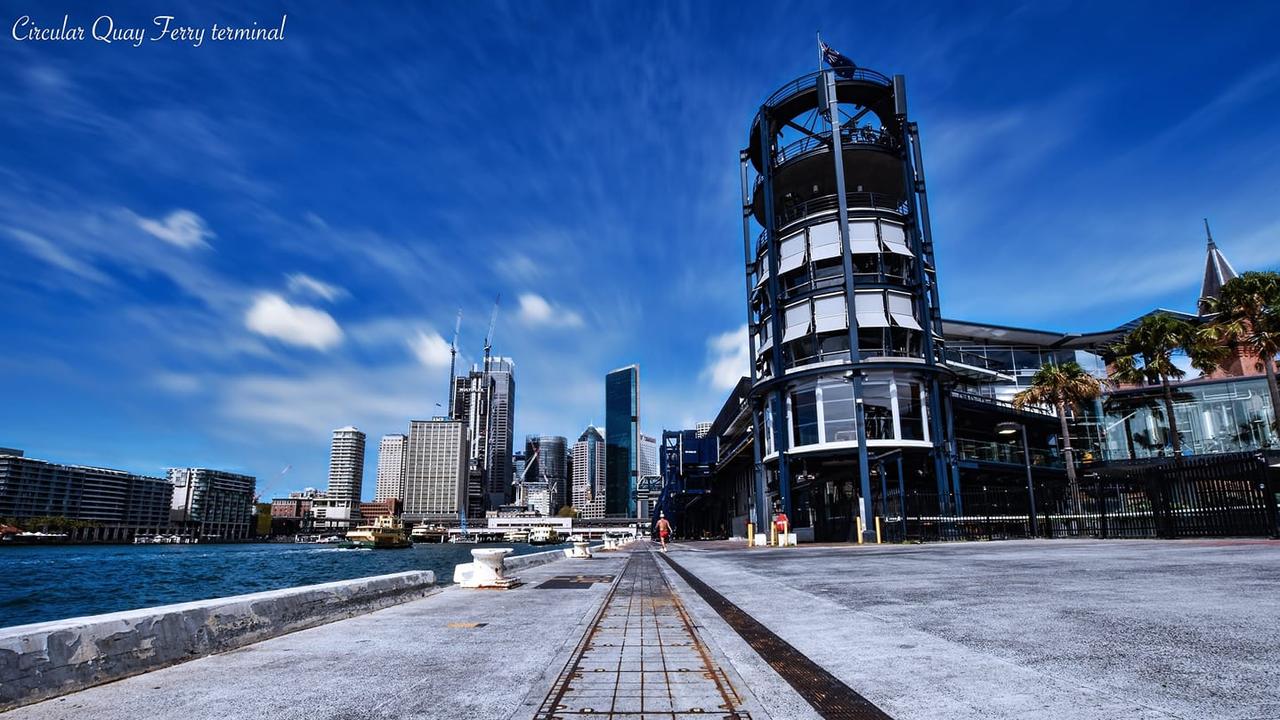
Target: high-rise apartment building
390, 484
622, 440
212, 504
346, 464
588, 474
436, 472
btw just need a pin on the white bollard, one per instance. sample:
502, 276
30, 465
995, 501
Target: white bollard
486, 570
580, 550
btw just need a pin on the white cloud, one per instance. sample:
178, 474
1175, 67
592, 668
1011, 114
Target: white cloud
303, 284
180, 227
535, 310
727, 359
273, 316
430, 349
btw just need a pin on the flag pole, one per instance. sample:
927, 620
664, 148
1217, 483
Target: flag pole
819, 51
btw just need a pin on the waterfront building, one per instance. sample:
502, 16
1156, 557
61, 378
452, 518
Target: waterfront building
622, 440
589, 474
104, 504
346, 465
212, 504
390, 481
436, 470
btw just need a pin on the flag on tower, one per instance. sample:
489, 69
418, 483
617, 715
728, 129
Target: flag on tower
843, 66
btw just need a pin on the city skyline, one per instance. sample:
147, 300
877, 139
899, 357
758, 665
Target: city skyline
209, 306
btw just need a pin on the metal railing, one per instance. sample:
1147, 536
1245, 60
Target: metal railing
804, 83
990, 400
1004, 452
848, 136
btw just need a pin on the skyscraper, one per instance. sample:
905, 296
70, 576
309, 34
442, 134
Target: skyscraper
390, 468
346, 464
589, 474
552, 468
622, 439
648, 455
485, 400
502, 388
435, 478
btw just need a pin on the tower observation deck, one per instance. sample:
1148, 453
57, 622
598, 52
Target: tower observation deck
849, 371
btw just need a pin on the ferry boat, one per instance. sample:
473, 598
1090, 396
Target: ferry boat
429, 534
382, 534
464, 539
516, 536
543, 536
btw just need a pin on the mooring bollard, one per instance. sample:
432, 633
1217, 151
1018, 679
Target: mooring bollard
580, 550
486, 570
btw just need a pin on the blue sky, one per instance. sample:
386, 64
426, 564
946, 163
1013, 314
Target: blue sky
214, 255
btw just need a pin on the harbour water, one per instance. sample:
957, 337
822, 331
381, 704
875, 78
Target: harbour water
39, 583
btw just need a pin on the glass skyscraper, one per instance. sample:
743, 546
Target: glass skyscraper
622, 440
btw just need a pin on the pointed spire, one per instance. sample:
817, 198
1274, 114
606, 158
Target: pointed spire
1217, 271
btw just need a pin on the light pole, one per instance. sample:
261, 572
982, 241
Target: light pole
1009, 428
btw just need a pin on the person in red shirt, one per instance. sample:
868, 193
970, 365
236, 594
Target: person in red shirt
664, 530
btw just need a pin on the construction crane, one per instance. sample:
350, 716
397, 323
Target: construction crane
453, 359
488, 337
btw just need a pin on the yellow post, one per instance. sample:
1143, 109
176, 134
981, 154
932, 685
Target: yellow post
859, 529
877, 529
751, 534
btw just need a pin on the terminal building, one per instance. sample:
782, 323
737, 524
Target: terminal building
863, 402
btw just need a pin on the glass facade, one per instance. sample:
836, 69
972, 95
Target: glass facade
824, 411
622, 439
1213, 417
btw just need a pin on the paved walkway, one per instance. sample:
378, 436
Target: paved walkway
1069, 630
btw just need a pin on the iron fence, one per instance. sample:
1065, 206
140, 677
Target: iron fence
1212, 496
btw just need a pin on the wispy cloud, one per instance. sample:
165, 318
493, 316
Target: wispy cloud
303, 284
182, 228
727, 359
536, 310
47, 251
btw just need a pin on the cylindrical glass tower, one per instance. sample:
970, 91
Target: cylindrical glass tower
846, 337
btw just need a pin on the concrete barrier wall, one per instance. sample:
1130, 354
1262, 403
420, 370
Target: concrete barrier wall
44, 660
519, 562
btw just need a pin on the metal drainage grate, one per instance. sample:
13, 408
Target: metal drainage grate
830, 697
573, 582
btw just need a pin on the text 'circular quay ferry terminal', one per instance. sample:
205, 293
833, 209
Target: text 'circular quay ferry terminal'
849, 365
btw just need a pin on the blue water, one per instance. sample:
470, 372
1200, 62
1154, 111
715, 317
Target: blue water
39, 583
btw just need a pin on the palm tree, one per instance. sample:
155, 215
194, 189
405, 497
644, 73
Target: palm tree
1061, 387
1145, 357
1247, 312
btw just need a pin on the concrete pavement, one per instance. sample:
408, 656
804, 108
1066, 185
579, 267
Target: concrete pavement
1073, 630
1054, 629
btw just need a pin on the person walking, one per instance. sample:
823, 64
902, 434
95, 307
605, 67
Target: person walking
664, 530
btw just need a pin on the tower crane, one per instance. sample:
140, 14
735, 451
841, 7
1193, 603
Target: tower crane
453, 359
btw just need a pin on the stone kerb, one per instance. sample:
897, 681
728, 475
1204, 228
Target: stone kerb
44, 660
